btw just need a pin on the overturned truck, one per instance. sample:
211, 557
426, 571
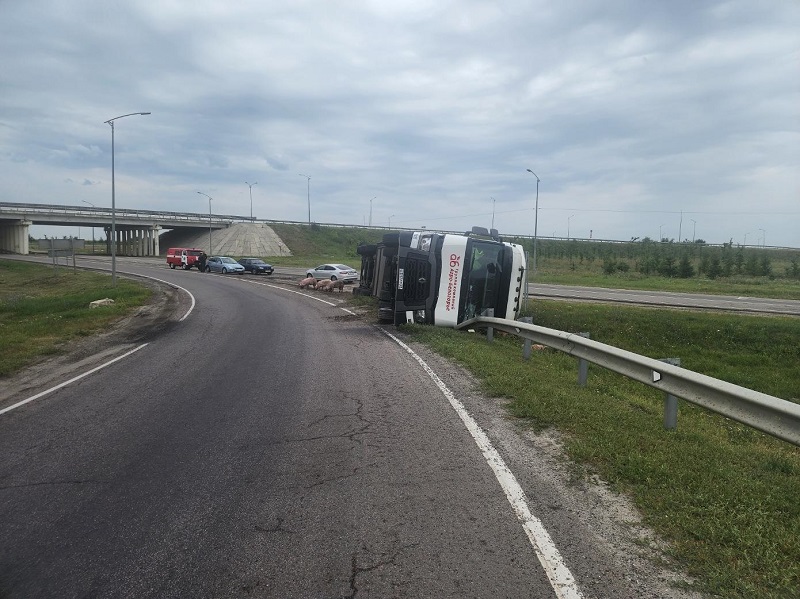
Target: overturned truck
442, 278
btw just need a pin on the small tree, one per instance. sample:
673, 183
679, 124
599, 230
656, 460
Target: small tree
685, 268
714, 268
667, 267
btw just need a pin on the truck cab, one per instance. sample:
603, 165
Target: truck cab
442, 278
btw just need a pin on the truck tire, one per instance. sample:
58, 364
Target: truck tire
391, 240
367, 249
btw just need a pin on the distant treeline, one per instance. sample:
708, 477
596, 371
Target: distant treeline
669, 259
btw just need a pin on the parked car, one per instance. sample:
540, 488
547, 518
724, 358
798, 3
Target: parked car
224, 265
334, 272
256, 266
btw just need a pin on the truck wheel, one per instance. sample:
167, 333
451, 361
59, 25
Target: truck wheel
172, 266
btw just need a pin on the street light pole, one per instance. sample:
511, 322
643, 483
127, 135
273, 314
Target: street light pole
309, 195
493, 204
535, 220
250, 185
370, 211
390, 221
694, 228
568, 219
210, 248
114, 200
763, 237
93, 206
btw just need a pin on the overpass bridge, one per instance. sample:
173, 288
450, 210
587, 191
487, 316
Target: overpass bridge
137, 231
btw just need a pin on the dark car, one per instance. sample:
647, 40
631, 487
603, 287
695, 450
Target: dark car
256, 266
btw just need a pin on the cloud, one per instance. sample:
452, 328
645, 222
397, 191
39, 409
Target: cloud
645, 112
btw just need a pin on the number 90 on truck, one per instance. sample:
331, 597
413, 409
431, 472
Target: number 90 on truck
442, 278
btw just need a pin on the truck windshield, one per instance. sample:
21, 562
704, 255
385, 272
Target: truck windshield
484, 280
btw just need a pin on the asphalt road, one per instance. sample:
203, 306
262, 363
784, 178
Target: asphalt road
274, 445
695, 301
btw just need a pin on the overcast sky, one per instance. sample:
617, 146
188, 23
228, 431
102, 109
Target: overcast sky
641, 118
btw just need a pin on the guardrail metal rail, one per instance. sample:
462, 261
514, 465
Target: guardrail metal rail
772, 415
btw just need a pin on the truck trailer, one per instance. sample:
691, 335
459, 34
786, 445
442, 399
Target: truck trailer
442, 278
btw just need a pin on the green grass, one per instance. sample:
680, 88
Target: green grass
41, 309
312, 245
724, 496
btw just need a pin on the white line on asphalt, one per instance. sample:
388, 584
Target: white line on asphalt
560, 577
292, 291
72, 380
189, 293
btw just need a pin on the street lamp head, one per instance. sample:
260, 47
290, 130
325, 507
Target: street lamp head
534, 174
111, 121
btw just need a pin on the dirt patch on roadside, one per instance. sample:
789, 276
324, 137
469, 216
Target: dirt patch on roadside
166, 307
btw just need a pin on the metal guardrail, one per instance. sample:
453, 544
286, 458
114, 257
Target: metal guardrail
772, 415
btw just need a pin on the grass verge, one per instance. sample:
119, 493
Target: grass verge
41, 309
724, 496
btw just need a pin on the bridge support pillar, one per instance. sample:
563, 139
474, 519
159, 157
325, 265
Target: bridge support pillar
155, 248
14, 237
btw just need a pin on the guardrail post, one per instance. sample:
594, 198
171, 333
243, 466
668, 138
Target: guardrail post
583, 367
490, 330
670, 401
526, 345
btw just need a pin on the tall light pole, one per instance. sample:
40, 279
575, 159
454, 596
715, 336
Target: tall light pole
114, 200
493, 203
309, 195
93, 206
250, 185
535, 220
763, 237
694, 228
370, 211
210, 249
390, 220
568, 219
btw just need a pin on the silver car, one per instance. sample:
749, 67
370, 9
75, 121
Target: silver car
224, 265
334, 272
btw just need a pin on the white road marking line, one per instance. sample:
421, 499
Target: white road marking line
292, 291
560, 577
189, 293
72, 380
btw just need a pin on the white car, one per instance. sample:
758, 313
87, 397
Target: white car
334, 272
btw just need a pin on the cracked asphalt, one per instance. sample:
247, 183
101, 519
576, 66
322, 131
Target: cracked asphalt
273, 446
